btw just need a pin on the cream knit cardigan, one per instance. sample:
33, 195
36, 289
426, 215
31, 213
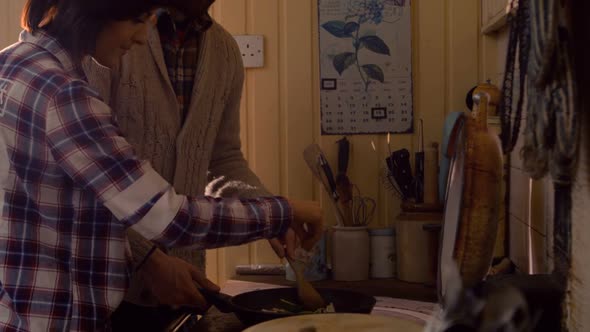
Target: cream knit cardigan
201, 155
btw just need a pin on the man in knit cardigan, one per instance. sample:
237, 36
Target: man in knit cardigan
177, 101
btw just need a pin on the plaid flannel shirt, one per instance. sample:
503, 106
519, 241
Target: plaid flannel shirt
180, 45
71, 185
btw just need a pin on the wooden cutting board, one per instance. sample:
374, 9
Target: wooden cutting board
473, 198
337, 323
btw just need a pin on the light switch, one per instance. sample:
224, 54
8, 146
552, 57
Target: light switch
252, 50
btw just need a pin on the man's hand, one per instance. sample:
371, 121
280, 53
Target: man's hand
307, 229
174, 282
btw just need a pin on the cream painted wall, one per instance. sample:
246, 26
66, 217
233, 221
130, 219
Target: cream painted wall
280, 108
10, 21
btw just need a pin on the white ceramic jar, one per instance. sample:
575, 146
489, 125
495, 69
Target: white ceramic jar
382, 253
350, 253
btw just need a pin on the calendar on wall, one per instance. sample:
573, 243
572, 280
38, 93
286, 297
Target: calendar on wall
365, 66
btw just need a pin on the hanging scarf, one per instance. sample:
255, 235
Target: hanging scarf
553, 122
542, 33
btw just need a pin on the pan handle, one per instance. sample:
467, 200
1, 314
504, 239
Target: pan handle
220, 300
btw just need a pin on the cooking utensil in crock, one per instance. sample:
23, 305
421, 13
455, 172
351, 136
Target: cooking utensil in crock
320, 168
343, 184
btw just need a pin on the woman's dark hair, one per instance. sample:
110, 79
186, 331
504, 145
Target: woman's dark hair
76, 24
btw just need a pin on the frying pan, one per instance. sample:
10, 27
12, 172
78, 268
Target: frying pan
248, 307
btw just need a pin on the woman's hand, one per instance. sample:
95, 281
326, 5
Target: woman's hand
174, 282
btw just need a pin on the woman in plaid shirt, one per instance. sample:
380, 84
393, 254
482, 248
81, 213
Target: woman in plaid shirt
71, 184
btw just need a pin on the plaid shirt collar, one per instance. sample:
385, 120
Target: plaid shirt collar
53, 46
169, 30
180, 48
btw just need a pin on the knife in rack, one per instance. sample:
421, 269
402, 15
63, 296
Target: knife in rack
399, 162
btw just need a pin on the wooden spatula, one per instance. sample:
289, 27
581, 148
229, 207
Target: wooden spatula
318, 164
309, 296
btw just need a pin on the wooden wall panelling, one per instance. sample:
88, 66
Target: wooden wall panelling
462, 50
296, 89
10, 21
264, 109
221, 262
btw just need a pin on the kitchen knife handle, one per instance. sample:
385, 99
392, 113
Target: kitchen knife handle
403, 172
343, 155
330, 176
419, 177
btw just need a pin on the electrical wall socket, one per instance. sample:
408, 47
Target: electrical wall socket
252, 49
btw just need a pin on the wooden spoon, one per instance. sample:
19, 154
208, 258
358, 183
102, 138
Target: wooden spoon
309, 296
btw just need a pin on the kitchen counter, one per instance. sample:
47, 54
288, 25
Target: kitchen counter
373, 287
394, 297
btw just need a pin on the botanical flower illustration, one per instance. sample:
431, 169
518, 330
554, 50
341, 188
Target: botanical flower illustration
361, 12
368, 10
